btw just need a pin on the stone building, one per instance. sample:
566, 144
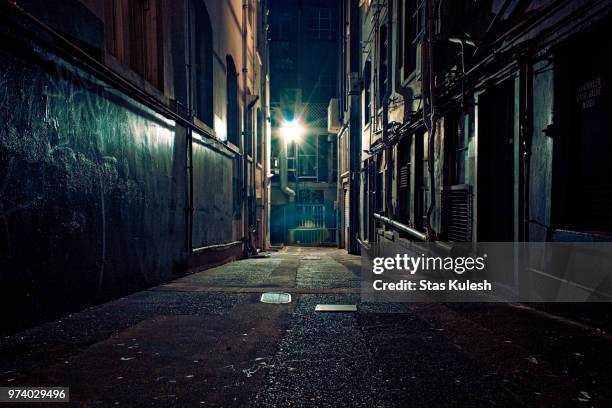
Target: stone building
475, 121
134, 145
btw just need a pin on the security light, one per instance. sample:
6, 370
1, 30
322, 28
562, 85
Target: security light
292, 131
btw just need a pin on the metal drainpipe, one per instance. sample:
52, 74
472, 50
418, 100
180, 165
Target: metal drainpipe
284, 182
254, 148
245, 209
253, 201
525, 141
190, 208
431, 232
385, 116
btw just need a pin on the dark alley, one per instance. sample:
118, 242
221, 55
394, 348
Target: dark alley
306, 203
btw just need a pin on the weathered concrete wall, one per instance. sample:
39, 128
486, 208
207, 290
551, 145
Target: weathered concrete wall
92, 191
213, 197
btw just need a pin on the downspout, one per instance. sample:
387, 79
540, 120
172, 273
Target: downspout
284, 182
245, 117
385, 116
190, 208
525, 142
431, 160
253, 201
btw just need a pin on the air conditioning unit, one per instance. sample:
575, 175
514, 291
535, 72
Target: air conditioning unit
333, 117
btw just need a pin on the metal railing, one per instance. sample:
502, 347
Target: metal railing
401, 227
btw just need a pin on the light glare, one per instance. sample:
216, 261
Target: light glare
292, 131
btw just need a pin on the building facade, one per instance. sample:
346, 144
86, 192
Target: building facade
134, 145
303, 66
475, 121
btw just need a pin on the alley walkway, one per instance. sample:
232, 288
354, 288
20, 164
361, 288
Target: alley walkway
206, 340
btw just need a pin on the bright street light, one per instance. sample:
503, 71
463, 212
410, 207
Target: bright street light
292, 131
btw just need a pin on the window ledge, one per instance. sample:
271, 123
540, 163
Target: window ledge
130, 75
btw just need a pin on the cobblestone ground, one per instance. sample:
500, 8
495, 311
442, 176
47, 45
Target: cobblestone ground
207, 340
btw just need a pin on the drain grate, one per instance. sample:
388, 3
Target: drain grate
275, 297
336, 308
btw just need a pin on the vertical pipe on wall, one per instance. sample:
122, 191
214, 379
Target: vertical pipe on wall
385, 115
525, 143
189, 62
431, 233
246, 236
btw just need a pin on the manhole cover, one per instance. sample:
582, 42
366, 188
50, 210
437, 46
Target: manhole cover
336, 308
275, 297
311, 258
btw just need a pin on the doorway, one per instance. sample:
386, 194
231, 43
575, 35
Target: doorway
496, 146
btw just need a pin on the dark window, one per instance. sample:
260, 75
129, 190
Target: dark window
367, 90
203, 66
414, 29
404, 176
282, 24
281, 56
334, 159
322, 159
143, 39
383, 61
248, 134
459, 147
320, 23
233, 125
378, 185
421, 181
307, 159
325, 84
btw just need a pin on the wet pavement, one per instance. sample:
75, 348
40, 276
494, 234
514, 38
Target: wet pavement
206, 340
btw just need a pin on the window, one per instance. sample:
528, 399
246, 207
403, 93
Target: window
378, 184
367, 91
248, 134
282, 56
203, 66
322, 159
143, 40
403, 182
320, 23
260, 131
133, 36
233, 125
282, 25
459, 146
307, 157
414, 30
383, 61
421, 181
334, 160
325, 86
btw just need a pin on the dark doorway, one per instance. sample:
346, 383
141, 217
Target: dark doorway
582, 186
496, 164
